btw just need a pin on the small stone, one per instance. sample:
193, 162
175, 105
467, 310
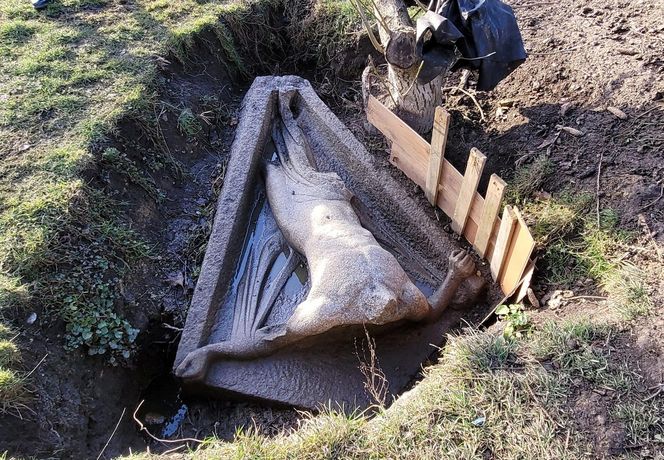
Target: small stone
32, 318
566, 108
617, 112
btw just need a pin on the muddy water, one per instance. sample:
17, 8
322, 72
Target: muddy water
163, 410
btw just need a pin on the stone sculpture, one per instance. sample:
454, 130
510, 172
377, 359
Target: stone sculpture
354, 282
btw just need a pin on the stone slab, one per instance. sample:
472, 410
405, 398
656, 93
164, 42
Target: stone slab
308, 376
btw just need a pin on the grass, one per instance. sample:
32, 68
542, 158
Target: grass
485, 396
12, 390
643, 422
574, 246
67, 75
527, 180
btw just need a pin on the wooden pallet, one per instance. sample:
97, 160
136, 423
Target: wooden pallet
506, 243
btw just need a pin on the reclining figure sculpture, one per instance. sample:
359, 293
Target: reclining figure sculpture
354, 281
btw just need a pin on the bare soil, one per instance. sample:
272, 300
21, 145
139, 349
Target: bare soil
583, 59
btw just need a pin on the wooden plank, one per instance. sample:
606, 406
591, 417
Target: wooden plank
524, 284
395, 129
517, 256
507, 226
494, 195
441, 126
403, 159
411, 154
509, 244
471, 178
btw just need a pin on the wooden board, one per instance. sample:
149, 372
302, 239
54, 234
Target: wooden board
517, 256
508, 223
471, 179
494, 195
411, 156
505, 243
441, 126
524, 284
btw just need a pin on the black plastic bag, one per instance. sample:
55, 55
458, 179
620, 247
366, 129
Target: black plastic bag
478, 34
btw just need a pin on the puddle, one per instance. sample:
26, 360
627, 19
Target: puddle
270, 278
163, 410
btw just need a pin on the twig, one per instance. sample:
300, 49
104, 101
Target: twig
421, 5
379, 17
112, 434
35, 368
365, 22
646, 112
463, 81
170, 451
595, 297
655, 394
382, 80
417, 74
479, 107
477, 58
599, 173
143, 428
568, 50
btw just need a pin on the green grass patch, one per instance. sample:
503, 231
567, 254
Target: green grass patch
575, 246
643, 422
527, 180
9, 353
12, 390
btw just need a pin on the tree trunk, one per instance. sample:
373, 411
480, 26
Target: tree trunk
415, 103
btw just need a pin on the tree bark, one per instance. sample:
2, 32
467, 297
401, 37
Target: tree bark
415, 103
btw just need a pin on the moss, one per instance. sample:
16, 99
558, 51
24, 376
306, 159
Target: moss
11, 388
9, 353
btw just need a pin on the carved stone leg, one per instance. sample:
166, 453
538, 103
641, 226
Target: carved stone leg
461, 268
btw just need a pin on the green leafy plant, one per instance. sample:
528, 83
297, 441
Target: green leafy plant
188, 124
518, 323
87, 297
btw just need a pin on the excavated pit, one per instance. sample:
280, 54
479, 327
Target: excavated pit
310, 375
74, 416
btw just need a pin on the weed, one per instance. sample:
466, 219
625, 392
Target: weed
188, 124
577, 348
11, 389
528, 179
551, 220
121, 164
323, 31
517, 322
575, 246
554, 341
375, 382
9, 353
643, 422
561, 267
